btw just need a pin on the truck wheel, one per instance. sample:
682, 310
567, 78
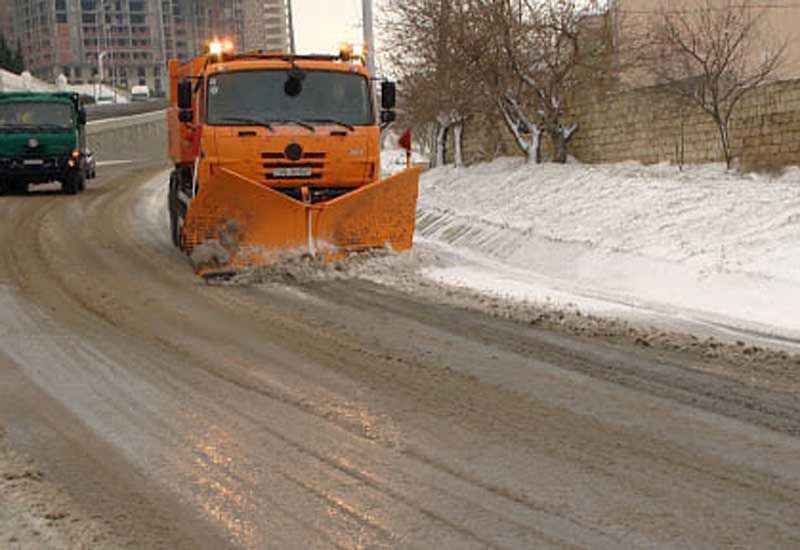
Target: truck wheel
19, 187
173, 225
176, 221
173, 206
73, 183
177, 235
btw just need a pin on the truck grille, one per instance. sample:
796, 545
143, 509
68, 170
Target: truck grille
314, 162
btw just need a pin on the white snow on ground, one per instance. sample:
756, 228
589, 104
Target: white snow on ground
393, 160
703, 245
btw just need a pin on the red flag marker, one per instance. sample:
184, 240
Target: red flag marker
405, 143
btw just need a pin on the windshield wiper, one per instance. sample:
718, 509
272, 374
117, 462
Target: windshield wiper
255, 121
16, 128
333, 121
293, 121
21, 128
50, 125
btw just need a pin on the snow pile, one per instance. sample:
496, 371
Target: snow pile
703, 244
12, 82
298, 267
393, 160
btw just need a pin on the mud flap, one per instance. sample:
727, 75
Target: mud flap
237, 222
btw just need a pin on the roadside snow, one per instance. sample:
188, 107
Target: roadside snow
702, 245
393, 160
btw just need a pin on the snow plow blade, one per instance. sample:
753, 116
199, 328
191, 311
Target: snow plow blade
235, 222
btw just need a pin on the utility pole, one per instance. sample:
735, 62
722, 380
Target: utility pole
369, 37
99, 89
292, 49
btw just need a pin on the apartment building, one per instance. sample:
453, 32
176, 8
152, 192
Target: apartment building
131, 40
76, 37
6, 21
268, 25
189, 24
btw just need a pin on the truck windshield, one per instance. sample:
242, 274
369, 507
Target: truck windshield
253, 97
35, 115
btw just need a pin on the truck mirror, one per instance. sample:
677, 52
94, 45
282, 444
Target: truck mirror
387, 117
185, 94
81, 116
185, 115
388, 94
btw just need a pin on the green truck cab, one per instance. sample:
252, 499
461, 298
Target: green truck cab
43, 139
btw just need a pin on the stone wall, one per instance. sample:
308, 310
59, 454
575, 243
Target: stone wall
651, 126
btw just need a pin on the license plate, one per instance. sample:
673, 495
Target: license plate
298, 172
33, 162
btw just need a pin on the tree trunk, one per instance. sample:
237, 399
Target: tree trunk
514, 119
441, 138
559, 146
534, 151
724, 136
458, 131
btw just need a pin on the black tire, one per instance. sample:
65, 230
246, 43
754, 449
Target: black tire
173, 205
73, 183
19, 188
173, 226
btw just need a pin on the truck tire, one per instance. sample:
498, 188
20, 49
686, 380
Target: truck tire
173, 206
73, 183
18, 187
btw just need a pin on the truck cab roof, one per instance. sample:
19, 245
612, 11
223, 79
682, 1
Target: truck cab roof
40, 97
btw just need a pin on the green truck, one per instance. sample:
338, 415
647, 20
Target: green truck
43, 139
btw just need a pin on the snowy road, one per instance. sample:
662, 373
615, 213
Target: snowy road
348, 414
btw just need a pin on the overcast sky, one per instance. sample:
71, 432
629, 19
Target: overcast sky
321, 25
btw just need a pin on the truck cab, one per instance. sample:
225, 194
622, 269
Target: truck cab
43, 139
276, 152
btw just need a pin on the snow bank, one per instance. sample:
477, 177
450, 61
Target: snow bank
393, 160
702, 244
12, 82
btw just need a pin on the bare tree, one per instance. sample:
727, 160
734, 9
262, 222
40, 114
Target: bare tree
434, 75
713, 56
526, 59
557, 48
483, 38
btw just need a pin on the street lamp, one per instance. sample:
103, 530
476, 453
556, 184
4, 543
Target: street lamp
100, 58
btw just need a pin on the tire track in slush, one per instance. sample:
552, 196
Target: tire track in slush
363, 418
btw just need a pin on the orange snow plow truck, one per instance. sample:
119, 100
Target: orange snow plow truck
276, 153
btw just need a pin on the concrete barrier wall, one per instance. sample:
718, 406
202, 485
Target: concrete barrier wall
137, 137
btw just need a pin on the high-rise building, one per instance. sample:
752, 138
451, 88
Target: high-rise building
267, 25
6, 22
77, 38
131, 40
